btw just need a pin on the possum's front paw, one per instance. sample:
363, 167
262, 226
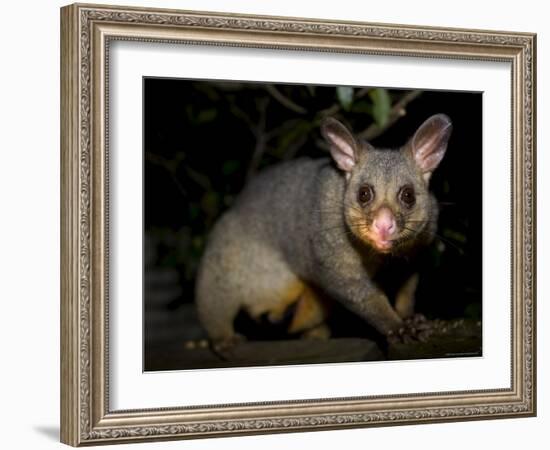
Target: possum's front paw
414, 328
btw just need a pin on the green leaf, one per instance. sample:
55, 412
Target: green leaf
207, 115
197, 242
311, 89
345, 96
381, 106
231, 166
199, 117
302, 127
473, 311
169, 260
210, 203
194, 211
362, 106
455, 235
435, 255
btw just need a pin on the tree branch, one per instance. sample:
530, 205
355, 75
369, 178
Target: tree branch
284, 100
398, 110
170, 166
261, 139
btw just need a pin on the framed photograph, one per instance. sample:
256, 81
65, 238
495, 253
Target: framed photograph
276, 224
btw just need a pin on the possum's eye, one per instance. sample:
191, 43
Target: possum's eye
407, 196
365, 194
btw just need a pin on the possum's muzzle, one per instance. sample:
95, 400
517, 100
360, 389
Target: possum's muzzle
383, 230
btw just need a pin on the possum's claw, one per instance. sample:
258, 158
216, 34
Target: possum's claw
414, 329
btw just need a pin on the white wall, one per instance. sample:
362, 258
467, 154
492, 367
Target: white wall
29, 224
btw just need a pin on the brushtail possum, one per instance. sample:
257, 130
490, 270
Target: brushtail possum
310, 228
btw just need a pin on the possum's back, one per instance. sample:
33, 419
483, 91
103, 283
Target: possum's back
276, 205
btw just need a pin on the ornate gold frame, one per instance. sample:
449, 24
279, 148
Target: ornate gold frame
86, 31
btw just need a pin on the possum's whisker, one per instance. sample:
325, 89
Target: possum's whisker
421, 221
335, 227
437, 235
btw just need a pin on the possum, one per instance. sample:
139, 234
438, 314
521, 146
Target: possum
309, 229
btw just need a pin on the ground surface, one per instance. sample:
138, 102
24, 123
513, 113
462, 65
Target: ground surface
178, 342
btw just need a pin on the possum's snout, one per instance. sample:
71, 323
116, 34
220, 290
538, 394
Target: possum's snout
383, 230
384, 225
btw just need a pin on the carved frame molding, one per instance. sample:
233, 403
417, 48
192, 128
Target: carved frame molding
86, 31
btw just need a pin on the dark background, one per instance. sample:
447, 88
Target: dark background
203, 140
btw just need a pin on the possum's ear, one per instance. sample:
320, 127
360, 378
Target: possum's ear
343, 146
429, 143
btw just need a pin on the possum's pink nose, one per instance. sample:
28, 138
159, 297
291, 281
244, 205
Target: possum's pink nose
384, 223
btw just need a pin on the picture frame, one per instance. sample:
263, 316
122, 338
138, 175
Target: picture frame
87, 415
